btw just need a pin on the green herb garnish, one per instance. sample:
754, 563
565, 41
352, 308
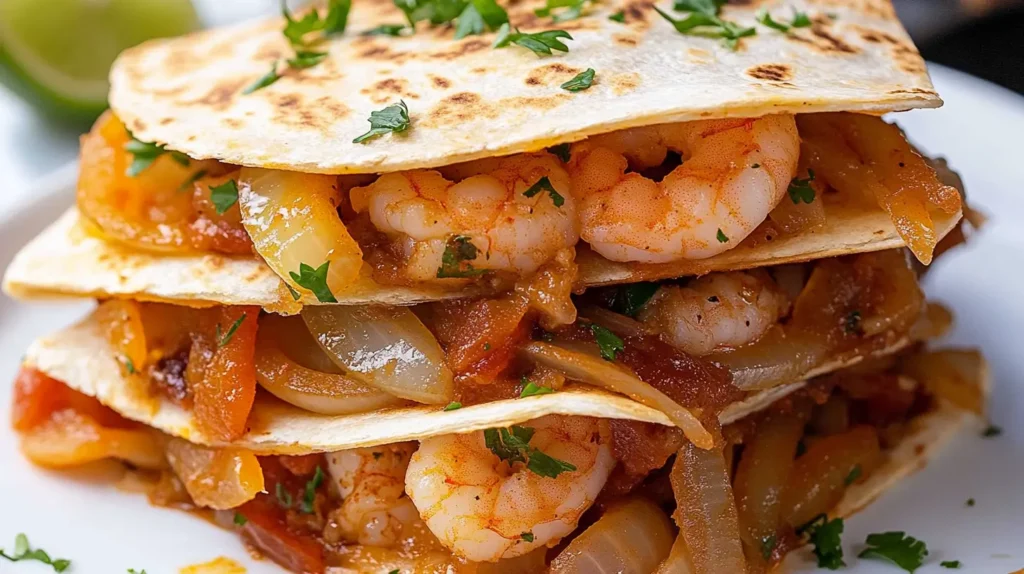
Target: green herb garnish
703, 21
544, 184
457, 252
991, 431
970, 502
951, 564
721, 236
22, 551
334, 23
315, 281
619, 17
801, 190
826, 536
452, 406
800, 20
582, 81
224, 195
226, 338
309, 497
852, 323
129, 366
768, 546
531, 388
283, 496
607, 342
145, 153
527, 536
855, 473
192, 179
386, 30
904, 551
540, 43
306, 59
562, 151
574, 9
629, 299
513, 445
240, 519
264, 81
392, 119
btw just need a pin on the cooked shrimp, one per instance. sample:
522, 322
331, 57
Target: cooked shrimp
423, 210
484, 509
717, 311
371, 482
734, 172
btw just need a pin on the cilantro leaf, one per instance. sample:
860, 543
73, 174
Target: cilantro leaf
283, 496
951, 564
192, 179
904, 551
530, 389
561, 151
707, 7
23, 551
134, 571
527, 536
240, 519
800, 20
306, 59
513, 445
129, 366
545, 465
337, 16
801, 190
619, 17
334, 22
224, 195
494, 440
721, 237
145, 153
991, 431
386, 30
574, 10
437, 12
309, 497
264, 81
544, 184
768, 546
458, 250
226, 338
852, 323
705, 22
452, 406
826, 536
609, 343
580, 82
314, 280
493, 14
393, 119
855, 473
540, 43
970, 502
470, 23
629, 299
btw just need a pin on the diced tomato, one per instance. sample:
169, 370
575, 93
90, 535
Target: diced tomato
302, 465
37, 397
480, 336
222, 372
266, 528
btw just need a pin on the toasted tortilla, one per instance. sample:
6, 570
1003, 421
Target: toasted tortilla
82, 357
68, 260
468, 101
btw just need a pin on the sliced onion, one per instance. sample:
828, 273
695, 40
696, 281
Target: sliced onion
292, 219
781, 355
69, 438
596, 371
316, 391
529, 563
821, 474
679, 560
630, 538
388, 348
217, 478
706, 510
954, 375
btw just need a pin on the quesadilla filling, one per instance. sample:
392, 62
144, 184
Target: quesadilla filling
685, 348
572, 494
650, 195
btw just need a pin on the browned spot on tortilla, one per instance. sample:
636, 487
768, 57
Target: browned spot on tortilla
379, 51
920, 91
821, 38
903, 52
637, 11
464, 47
460, 107
179, 63
771, 72
625, 83
191, 138
550, 74
233, 123
699, 54
387, 89
221, 94
629, 40
439, 82
294, 110
166, 121
481, 70
525, 102
138, 125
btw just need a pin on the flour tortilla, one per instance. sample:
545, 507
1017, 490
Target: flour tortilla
468, 101
81, 357
66, 260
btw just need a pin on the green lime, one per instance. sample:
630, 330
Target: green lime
56, 53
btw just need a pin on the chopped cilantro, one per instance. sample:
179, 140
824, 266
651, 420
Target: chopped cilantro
145, 153
544, 184
970, 502
283, 496
134, 571
855, 473
492, 14
531, 388
703, 21
801, 190
309, 497
951, 564
561, 151
574, 9
826, 536
457, 252
314, 280
721, 236
527, 536
768, 546
580, 82
269, 78
470, 23
129, 366
295, 294
192, 179
395, 571
452, 406
386, 30
487, 346
22, 551
904, 551
852, 323
800, 20
629, 299
306, 59
991, 431
334, 23
513, 445
609, 343
540, 43
224, 196
393, 119
240, 519
226, 338
619, 17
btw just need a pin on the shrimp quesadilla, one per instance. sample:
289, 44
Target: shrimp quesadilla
638, 292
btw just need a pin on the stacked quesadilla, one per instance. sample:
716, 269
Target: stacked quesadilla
472, 287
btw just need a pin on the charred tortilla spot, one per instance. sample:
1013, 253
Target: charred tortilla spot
439, 82
138, 125
221, 94
389, 89
294, 110
464, 47
821, 38
771, 72
629, 40
551, 74
625, 83
460, 107
166, 121
233, 123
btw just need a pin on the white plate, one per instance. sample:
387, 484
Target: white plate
106, 531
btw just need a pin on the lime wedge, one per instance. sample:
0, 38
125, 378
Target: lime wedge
56, 54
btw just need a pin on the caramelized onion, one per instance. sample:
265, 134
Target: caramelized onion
70, 438
581, 366
706, 510
292, 219
954, 375
216, 478
780, 356
679, 560
313, 390
632, 537
384, 347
